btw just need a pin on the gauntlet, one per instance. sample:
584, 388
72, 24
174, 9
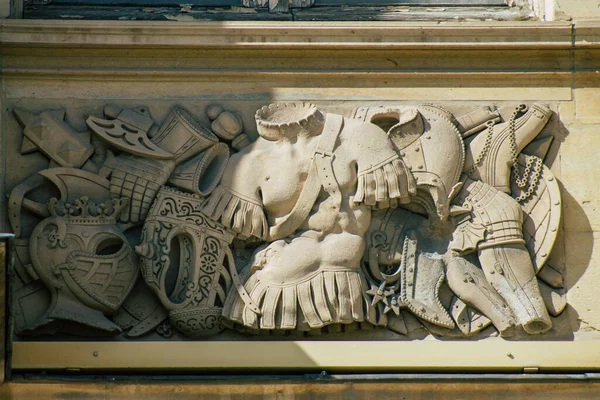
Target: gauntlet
137, 179
146, 163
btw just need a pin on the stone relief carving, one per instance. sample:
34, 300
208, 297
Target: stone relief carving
381, 219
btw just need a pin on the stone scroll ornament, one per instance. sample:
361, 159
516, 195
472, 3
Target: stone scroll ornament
323, 223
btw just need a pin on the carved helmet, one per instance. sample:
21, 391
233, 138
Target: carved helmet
427, 140
436, 157
85, 260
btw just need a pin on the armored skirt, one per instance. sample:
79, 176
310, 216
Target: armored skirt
326, 297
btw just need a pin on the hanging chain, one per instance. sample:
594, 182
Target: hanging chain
521, 180
533, 167
486, 147
536, 162
532, 162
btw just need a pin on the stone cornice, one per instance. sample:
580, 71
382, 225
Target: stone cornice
290, 35
528, 54
587, 34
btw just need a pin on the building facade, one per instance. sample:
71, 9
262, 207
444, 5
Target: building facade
67, 81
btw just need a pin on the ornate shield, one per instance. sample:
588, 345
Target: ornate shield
541, 210
186, 261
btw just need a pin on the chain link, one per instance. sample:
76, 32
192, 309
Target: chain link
533, 166
534, 178
520, 180
486, 147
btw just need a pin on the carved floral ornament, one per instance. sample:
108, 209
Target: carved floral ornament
382, 220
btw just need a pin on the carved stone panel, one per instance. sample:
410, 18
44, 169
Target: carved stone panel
377, 221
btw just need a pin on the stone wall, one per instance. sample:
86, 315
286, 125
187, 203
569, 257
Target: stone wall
81, 66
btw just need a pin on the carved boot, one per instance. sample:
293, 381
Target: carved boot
470, 285
491, 155
510, 271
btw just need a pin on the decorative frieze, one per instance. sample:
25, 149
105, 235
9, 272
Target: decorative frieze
387, 217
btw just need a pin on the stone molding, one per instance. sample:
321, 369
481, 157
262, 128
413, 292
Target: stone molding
540, 55
332, 356
587, 34
317, 386
416, 53
297, 35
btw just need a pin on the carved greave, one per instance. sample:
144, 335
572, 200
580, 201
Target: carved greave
509, 270
470, 285
500, 214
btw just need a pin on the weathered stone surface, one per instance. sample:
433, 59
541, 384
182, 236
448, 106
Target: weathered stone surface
409, 389
580, 167
578, 9
458, 68
3, 316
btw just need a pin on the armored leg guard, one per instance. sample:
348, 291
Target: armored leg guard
510, 271
470, 285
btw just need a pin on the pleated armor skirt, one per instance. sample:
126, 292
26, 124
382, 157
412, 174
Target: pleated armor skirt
323, 298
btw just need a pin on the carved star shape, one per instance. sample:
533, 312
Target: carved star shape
69, 152
393, 304
379, 293
376, 292
35, 128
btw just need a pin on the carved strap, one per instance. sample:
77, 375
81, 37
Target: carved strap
324, 162
244, 295
320, 174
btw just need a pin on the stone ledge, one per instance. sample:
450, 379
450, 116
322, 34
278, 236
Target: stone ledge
341, 356
313, 389
587, 33
297, 35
